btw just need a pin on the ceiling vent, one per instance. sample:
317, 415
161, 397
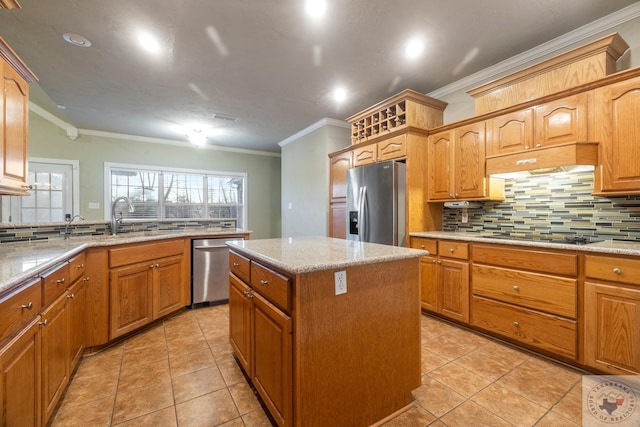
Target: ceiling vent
224, 117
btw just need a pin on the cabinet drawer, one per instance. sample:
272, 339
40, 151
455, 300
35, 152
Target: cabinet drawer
424, 244
620, 270
18, 308
453, 249
76, 267
239, 265
539, 330
565, 264
552, 294
392, 148
365, 155
54, 283
275, 287
132, 254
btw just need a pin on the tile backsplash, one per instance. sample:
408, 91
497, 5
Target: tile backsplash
29, 232
551, 206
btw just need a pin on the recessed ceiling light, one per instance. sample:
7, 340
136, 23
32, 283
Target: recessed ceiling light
414, 48
76, 40
197, 137
340, 94
316, 8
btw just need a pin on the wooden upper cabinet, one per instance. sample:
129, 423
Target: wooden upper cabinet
469, 145
339, 164
510, 133
618, 131
440, 166
392, 148
561, 121
365, 155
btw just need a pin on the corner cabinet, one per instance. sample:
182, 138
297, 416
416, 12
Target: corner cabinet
618, 130
14, 115
147, 281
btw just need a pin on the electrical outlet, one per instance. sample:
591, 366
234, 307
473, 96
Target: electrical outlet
94, 205
340, 282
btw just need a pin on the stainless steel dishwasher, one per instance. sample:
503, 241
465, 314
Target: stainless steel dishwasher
210, 271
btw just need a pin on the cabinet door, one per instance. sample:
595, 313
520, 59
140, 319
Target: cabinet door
168, 286
612, 328
273, 365
428, 284
131, 293
454, 290
510, 133
564, 120
76, 320
440, 166
339, 164
469, 157
240, 319
365, 155
618, 130
20, 382
338, 220
14, 139
55, 355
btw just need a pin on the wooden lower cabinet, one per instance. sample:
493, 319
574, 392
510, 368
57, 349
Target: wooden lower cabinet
240, 316
612, 328
272, 359
20, 382
77, 300
168, 286
131, 298
55, 355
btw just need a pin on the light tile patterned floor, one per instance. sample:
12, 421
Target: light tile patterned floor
182, 373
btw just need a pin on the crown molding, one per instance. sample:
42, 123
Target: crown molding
555, 46
317, 125
73, 132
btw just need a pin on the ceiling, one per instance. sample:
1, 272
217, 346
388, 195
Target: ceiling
264, 62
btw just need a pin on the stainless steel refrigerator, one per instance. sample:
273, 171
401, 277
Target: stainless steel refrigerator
376, 203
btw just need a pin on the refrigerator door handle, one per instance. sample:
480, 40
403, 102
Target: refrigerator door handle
363, 226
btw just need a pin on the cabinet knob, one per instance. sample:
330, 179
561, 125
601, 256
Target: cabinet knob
151, 266
516, 324
60, 281
538, 145
264, 282
433, 261
450, 196
456, 195
45, 323
236, 265
617, 270
71, 296
421, 246
516, 288
451, 250
526, 147
27, 306
86, 279
157, 265
80, 266
439, 262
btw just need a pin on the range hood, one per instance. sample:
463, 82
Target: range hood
545, 160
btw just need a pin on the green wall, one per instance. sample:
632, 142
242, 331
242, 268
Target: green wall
263, 171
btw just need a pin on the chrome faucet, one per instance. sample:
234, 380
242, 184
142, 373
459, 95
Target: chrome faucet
69, 221
115, 221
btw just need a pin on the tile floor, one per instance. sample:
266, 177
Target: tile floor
182, 373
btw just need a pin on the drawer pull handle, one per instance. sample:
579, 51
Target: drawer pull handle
433, 261
236, 265
71, 296
264, 282
27, 306
151, 266
157, 265
617, 270
80, 266
516, 324
45, 323
60, 281
86, 279
439, 261
451, 250
516, 288
421, 246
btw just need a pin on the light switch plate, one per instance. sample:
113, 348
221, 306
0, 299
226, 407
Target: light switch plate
340, 282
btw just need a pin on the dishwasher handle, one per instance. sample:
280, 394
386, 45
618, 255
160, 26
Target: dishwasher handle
209, 248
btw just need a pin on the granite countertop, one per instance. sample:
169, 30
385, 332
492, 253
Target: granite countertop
24, 260
616, 247
306, 254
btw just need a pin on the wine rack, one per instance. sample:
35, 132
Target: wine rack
405, 109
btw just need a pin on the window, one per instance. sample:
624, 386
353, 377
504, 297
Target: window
53, 195
166, 193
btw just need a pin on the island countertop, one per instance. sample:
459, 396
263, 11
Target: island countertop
306, 254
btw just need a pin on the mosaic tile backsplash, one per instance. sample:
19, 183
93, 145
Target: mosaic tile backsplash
550, 207
28, 232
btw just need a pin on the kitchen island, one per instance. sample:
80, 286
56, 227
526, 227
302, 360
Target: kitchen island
327, 330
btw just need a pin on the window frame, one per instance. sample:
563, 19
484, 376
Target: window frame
109, 166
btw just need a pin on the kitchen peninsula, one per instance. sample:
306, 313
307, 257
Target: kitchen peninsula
327, 330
